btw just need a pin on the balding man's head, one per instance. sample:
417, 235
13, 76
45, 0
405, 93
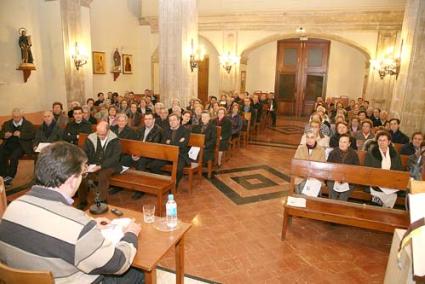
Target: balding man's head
102, 129
48, 117
17, 115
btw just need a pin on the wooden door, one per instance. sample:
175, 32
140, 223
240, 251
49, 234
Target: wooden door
301, 70
203, 70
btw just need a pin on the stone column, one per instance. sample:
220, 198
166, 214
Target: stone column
379, 91
408, 101
74, 80
178, 28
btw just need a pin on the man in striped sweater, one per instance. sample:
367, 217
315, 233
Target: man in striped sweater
42, 231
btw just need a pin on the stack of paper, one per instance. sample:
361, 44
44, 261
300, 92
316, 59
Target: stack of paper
115, 230
296, 201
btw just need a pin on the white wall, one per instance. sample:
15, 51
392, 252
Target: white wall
115, 24
346, 71
261, 68
342, 81
213, 68
47, 83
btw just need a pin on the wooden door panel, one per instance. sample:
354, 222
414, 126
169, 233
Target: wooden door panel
203, 71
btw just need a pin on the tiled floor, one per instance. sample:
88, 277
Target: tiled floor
232, 243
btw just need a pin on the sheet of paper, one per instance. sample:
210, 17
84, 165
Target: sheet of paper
115, 230
296, 201
90, 168
417, 205
388, 190
124, 169
193, 152
41, 146
312, 187
341, 187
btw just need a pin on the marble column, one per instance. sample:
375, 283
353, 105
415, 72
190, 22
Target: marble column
178, 29
71, 31
408, 101
379, 91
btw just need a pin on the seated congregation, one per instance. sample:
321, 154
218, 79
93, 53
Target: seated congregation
359, 135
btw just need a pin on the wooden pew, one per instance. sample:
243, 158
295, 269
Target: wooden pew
143, 181
347, 213
3, 198
196, 140
245, 132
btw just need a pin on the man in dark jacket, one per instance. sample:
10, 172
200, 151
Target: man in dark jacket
74, 128
49, 131
17, 135
396, 135
178, 136
103, 151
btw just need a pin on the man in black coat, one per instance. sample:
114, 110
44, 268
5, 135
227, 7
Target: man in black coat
49, 131
17, 135
77, 126
178, 136
396, 135
207, 127
103, 151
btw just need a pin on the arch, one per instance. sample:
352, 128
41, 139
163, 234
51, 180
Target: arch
277, 37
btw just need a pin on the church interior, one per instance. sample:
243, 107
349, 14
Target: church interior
303, 62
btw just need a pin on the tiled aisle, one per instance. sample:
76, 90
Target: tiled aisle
232, 243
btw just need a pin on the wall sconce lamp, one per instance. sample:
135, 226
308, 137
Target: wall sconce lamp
387, 65
79, 57
196, 56
228, 60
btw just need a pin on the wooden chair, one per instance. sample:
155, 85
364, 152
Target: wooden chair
245, 132
10, 275
397, 147
195, 140
3, 199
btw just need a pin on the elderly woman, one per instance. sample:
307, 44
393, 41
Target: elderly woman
383, 156
237, 121
322, 140
309, 151
134, 116
112, 114
342, 155
226, 132
342, 128
207, 127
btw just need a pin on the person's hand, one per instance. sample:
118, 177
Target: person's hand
102, 222
168, 141
97, 168
7, 135
17, 133
135, 158
133, 228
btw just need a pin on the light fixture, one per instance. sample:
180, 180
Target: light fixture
79, 56
196, 56
387, 64
228, 60
300, 30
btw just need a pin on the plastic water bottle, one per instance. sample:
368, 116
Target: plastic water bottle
171, 212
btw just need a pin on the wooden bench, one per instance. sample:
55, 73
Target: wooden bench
13, 275
143, 181
347, 213
245, 132
195, 140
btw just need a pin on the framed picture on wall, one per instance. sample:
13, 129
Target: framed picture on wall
243, 81
99, 66
127, 63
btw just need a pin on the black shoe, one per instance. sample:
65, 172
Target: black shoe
82, 205
114, 190
137, 195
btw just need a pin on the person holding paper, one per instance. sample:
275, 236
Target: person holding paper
309, 151
41, 230
103, 151
207, 127
49, 131
383, 156
344, 154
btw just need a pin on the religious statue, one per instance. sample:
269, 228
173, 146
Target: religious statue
117, 61
25, 45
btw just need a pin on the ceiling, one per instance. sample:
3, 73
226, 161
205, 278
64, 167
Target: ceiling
226, 7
